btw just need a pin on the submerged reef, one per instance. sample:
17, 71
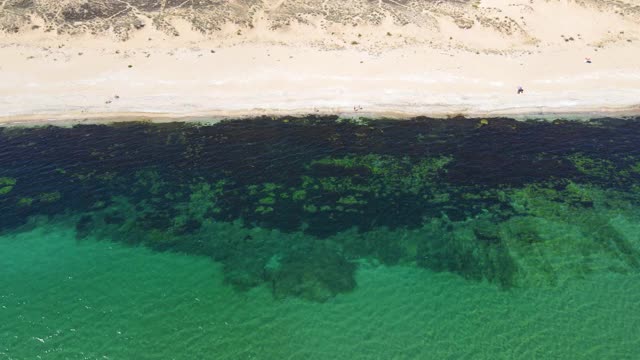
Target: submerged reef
297, 204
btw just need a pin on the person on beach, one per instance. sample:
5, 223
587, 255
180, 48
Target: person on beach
520, 90
587, 60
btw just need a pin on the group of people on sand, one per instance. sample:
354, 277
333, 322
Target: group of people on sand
587, 60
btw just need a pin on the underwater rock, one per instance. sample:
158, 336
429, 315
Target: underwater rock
84, 226
241, 278
455, 248
314, 273
188, 226
389, 247
113, 219
154, 220
486, 231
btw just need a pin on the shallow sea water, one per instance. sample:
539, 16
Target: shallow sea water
321, 239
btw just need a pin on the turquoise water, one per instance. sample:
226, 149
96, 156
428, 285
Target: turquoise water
94, 299
267, 240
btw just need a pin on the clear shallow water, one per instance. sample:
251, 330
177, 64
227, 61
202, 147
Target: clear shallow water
119, 252
96, 299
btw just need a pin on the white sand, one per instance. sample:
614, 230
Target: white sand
302, 70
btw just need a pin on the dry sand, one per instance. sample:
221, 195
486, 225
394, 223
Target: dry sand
447, 59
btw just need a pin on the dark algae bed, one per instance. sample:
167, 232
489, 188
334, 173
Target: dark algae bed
313, 211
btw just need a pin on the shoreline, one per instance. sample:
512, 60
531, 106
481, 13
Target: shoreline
547, 114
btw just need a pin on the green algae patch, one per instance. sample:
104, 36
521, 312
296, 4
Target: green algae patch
299, 195
376, 175
6, 181
6, 185
50, 197
264, 209
269, 200
25, 202
310, 208
387, 166
597, 168
350, 200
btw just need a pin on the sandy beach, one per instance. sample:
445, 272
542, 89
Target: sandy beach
281, 58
